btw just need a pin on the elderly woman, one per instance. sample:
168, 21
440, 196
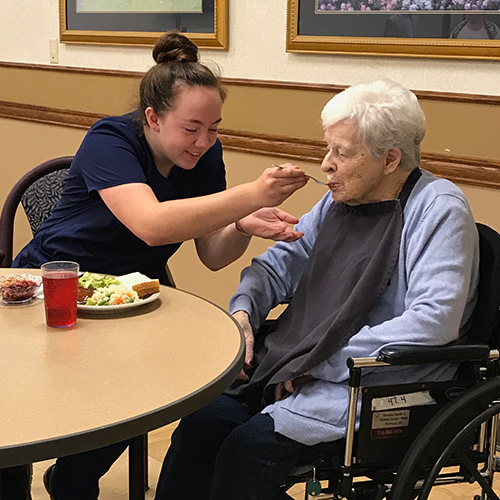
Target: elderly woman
389, 256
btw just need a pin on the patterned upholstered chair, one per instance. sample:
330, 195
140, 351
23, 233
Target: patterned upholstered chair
38, 191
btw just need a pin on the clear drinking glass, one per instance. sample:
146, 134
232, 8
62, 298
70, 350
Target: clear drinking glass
60, 291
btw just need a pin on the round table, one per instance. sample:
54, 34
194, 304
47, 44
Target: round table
110, 377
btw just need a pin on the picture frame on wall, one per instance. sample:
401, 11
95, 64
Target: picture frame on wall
141, 22
411, 28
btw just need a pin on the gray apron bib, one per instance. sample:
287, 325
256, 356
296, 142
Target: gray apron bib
351, 263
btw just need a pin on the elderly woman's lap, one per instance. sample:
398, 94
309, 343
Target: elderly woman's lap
225, 451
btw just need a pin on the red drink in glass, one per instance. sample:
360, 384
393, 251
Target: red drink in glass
60, 290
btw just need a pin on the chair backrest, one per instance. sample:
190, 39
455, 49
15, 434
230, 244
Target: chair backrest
38, 191
486, 320
42, 196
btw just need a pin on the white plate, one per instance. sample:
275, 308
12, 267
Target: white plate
118, 308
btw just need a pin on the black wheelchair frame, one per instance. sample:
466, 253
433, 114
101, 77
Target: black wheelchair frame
413, 437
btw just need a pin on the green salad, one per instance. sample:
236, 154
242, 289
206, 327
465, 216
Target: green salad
96, 280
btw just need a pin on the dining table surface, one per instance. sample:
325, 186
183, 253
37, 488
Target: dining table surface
112, 376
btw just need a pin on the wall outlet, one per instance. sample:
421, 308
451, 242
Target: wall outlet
54, 50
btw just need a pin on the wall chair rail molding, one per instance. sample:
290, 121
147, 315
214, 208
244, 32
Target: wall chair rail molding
121, 22
44, 106
461, 169
473, 171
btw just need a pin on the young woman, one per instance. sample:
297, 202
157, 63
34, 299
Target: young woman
140, 185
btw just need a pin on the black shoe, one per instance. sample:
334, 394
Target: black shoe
47, 476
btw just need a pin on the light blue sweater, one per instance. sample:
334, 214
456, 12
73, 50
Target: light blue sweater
429, 300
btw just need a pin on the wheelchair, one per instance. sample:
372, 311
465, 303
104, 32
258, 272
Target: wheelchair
414, 437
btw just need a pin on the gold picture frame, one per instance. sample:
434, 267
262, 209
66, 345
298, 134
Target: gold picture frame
207, 29
304, 36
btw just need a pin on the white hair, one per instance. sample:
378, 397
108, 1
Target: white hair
387, 115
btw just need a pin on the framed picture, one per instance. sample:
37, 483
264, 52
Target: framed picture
141, 22
419, 28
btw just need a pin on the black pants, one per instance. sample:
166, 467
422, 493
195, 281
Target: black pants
15, 483
76, 477
224, 451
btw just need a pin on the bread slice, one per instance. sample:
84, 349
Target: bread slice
140, 283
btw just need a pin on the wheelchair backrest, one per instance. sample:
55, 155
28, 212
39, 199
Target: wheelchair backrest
486, 320
392, 416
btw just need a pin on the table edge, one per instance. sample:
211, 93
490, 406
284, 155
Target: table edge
68, 444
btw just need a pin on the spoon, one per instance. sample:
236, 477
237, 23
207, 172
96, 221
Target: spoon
317, 181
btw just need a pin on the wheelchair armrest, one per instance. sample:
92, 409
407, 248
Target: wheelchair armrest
417, 355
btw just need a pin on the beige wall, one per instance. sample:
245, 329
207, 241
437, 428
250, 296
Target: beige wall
456, 126
191, 275
27, 144
460, 128
30, 143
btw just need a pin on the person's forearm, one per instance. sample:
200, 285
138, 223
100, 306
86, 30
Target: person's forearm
160, 223
222, 247
274, 275
268, 281
181, 220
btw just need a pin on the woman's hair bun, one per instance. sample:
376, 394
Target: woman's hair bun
174, 47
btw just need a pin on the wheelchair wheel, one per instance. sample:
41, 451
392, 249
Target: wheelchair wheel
446, 440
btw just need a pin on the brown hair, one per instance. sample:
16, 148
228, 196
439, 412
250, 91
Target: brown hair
176, 65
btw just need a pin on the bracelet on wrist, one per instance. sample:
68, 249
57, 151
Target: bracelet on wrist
240, 229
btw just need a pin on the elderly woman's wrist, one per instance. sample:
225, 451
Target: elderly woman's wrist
241, 230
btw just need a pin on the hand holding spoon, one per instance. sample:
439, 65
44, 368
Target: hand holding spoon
317, 181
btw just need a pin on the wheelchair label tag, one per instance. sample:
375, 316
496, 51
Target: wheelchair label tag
403, 401
390, 424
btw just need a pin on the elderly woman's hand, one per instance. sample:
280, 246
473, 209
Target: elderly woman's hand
289, 386
244, 321
271, 223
